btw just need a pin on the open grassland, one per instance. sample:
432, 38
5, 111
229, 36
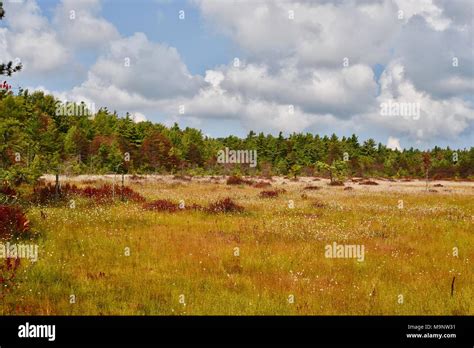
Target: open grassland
186, 262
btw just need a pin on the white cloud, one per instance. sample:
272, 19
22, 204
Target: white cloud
79, 24
394, 143
138, 117
31, 38
284, 62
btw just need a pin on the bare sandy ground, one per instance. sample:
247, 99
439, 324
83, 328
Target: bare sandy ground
383, 185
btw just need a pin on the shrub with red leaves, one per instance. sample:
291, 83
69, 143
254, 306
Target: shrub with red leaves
12, 221
269, 194
225, 206
312, 188
237, 180
166, 205
262, 184
47, 194
106, 193
7, 191
161, 205
368, 182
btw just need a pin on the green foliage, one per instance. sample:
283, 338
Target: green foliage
36, 139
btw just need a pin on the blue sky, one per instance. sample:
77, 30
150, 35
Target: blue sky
334, 65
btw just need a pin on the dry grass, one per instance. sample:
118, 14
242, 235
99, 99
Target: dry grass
251, 262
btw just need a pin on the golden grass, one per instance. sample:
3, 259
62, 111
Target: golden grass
408, 251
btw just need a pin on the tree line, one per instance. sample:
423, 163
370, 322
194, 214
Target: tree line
37, 139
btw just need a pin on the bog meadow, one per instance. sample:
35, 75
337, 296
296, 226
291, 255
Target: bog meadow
100, 214
243, 158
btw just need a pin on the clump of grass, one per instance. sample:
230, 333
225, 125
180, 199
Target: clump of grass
182, 177
438, 185
318, 204
336, 183
226, 205
135, 177
348, 188
8, 270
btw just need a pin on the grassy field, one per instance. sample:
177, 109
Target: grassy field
270, 259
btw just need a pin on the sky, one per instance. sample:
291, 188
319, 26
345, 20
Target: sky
398, 71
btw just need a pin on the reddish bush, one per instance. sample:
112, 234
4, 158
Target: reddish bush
106, 193
7, 191
262, 184
161, 205
166, 205
438, 185
46, 194
368, 182
348, 188
336, 183
312, 188
237, 180
225, 206
12, 221
269, 194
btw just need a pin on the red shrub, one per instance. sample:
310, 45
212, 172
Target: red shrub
161, 205
225, 206
7, 191
166, 205
262, 184
237, 180
12, 221
312, 188
46, 194
368, 182
106, 193
269, 194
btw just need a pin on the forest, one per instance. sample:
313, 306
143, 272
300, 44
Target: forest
39, 137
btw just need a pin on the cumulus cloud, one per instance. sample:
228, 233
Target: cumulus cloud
305, 65
31, 39
80, 25
444, 119
394, 143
